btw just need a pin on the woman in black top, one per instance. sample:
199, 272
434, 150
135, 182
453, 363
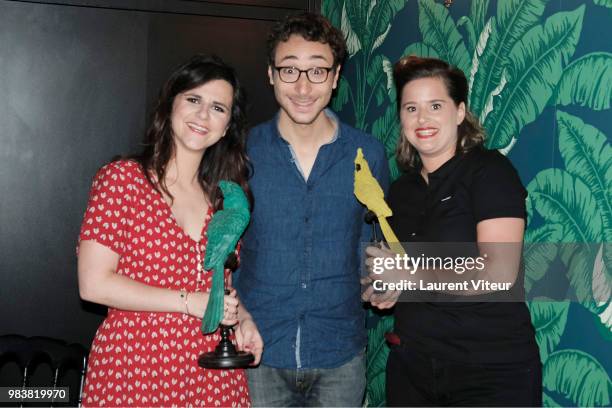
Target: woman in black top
468, 341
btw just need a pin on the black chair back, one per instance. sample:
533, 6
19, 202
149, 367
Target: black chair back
30, 352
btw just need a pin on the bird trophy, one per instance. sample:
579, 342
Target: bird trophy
224, 231
369, 193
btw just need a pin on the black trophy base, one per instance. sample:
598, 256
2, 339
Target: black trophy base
241, 359
225, 354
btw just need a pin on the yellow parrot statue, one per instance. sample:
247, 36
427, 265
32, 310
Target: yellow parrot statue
369, 193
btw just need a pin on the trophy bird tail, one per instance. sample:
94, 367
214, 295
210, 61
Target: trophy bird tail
214, 309
390, 237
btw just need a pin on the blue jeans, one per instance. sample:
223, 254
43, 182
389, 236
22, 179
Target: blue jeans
343, 386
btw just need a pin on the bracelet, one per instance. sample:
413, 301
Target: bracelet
185, 296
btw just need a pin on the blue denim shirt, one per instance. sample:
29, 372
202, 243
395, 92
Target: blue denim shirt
299, 269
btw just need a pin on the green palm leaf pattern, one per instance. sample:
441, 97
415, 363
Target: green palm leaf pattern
588, 155
483, 40
605, 3
332, 10
470, 33
394, 169
602, 287
356, 13
518, 64
343, 93
587, 81
548, 401
365, 25
562, 198
390, 85
376, 362
549, 320
380, 79
478, 15
475, 23
530, 213
535, 66
585, 275
421, 50
605, 318
577, 376
353, 43
371, 21
513, 19
380, 20
387, 129
539, 250
440, 33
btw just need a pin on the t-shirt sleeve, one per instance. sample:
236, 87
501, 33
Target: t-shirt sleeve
107, 217
497, 191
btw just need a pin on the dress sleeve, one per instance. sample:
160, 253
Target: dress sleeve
108, 214
497, 191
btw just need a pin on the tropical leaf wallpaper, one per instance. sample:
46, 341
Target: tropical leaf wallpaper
540, 74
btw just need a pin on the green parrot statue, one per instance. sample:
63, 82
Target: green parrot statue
224, 231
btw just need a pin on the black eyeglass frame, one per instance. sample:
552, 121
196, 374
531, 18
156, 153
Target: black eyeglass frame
301, 71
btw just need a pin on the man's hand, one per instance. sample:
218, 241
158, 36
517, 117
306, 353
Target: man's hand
249, 339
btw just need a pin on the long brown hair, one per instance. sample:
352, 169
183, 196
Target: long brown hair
226, 159
470, 133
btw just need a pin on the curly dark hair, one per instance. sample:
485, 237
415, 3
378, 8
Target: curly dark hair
470, 133
310, 26
226, 159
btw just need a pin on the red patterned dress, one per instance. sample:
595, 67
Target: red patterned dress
150, 358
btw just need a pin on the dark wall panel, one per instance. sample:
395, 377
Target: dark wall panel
76, 80
241, 42
73, 95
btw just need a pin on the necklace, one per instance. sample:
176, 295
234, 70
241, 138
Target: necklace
199, 264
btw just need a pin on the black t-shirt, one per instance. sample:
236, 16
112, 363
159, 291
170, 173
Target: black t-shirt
465, 190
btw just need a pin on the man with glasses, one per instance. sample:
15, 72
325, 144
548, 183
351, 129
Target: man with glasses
300, 261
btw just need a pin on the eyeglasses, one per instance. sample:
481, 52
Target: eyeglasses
315, 75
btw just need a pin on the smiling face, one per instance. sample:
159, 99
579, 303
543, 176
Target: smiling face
429, 119
302, 102
201, 116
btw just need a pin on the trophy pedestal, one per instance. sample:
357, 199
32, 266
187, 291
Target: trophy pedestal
225, 354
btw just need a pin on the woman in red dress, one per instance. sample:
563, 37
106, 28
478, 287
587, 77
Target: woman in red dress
142, 243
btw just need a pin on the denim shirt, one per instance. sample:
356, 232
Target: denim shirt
300, 261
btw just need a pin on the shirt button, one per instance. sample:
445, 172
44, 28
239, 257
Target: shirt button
413, 234
304, 285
